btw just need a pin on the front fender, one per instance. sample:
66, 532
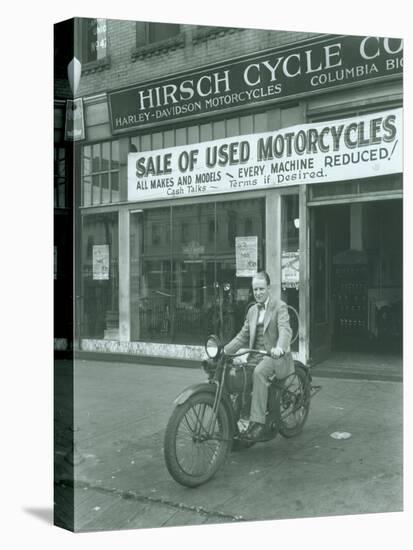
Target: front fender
191, 390
210, 388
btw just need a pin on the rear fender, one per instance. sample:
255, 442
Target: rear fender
304, 368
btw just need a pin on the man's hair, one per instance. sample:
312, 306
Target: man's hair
263, 275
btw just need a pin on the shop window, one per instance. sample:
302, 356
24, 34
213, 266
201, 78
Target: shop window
248, 227
100, 277
155, 38
232, 226
60, 178
290, 260
153, 33
156, 32
93, 40
100, 173
187, 286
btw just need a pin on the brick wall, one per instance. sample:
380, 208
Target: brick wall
128, 66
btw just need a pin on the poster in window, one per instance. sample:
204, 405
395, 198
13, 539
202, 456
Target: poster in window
246, 251
101, 262
290, 269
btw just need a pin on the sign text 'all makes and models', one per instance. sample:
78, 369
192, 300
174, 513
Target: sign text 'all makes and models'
346, 149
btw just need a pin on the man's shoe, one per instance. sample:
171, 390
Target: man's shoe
255, 432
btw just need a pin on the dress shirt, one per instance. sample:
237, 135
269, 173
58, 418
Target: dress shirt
261, 311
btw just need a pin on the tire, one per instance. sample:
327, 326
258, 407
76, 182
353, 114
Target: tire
294, 403
192, 463
294, 323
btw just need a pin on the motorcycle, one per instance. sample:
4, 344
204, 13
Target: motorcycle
209, 418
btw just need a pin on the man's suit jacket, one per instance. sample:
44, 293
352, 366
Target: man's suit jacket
277, 332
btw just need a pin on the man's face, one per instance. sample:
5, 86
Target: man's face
261, 289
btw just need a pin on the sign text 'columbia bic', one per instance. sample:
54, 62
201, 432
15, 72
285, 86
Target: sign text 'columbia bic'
313, 67
351, 148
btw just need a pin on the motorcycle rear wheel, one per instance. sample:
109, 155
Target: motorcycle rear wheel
294, 403
191, 456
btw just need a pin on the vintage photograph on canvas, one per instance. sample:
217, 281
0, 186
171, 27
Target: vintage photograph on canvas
228, 260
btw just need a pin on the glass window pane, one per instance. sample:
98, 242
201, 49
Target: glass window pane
105, 156
105, 188
100, 277
134, 144
96, 158
87, 160
114, 178
96, 189
161, 31
94, 37
100, 38
183, 272
151, 276
233, 293
115, 155
192, 250
87, 191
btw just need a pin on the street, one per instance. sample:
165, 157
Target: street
121, 482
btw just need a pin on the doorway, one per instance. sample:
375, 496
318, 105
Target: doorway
356, 291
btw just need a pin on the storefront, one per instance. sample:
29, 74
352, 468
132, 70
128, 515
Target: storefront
287, 160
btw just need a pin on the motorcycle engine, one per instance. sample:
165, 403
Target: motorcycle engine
239, 378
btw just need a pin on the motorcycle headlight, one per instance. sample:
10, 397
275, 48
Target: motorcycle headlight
213, 346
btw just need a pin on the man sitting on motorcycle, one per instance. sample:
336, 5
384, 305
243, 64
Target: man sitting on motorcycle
266, 328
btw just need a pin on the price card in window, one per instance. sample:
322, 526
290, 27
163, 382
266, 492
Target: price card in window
246, 254
290, 269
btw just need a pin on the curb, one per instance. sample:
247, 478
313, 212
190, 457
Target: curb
317, 370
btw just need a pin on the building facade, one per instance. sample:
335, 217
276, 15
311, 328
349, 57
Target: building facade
203, 154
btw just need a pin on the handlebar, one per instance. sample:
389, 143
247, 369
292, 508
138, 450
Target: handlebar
260, 352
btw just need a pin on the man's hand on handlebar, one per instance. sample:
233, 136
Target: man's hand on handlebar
277, 352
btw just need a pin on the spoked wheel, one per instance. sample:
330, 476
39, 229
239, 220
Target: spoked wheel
193, 454
295, 402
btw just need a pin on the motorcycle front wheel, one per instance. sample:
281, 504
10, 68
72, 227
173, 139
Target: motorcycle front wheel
294, 403
192, 454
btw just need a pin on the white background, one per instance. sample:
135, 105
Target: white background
27, 271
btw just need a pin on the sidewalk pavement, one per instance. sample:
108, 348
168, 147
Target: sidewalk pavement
121, 482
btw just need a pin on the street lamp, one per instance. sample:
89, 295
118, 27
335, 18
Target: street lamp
74, 70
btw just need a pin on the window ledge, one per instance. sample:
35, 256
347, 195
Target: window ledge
96, 66
202, 35
157, 48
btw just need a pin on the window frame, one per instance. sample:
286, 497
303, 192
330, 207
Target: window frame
99, 173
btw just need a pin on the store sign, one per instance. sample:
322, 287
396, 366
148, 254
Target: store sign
101, 262
351, 148
311, 67
246, 256
75, 122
